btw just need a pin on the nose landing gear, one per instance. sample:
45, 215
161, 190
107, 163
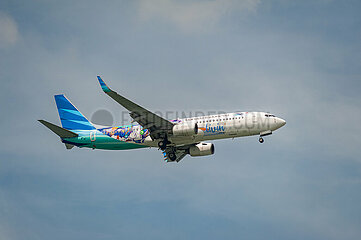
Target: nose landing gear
262, 134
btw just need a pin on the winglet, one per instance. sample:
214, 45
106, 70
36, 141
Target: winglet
103, 85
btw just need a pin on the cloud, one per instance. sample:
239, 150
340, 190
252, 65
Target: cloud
302, 183
192, 16
9, 31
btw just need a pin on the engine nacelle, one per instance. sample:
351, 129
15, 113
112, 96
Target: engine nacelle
185, 129
201, 149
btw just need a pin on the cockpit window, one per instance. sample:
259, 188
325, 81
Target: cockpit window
270, 115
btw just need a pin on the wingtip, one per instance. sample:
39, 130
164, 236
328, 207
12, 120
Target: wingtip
103, 85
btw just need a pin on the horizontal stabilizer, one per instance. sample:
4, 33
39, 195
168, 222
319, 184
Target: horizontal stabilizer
61, 132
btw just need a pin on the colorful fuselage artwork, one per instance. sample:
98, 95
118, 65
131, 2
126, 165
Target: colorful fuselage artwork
132, 133
129, 133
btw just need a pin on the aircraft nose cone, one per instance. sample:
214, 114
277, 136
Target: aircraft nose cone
280, 122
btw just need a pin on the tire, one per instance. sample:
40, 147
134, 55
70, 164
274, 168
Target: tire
162, 145
261, 140
172, 156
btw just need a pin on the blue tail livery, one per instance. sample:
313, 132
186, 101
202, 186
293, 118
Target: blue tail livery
70, 117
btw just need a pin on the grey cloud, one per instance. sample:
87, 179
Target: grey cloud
302, 183
192, 16
9, 31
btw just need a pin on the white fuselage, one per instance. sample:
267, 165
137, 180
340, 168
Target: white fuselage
228, 125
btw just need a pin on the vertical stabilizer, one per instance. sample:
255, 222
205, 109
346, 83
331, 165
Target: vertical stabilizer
70, 117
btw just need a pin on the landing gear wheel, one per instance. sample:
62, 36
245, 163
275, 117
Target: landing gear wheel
162, 145
261, 140
172, 156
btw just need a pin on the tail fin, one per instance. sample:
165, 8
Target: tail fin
70, 117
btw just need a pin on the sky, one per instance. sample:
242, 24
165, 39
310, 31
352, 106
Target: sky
299, 60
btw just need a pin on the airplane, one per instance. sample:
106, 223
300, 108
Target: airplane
176, 138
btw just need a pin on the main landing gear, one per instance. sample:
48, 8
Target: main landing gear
172, 156
163, 144
261, 140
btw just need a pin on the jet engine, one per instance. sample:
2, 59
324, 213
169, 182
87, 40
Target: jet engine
185, 129
201, 149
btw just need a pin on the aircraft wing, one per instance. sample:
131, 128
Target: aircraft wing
156, 124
